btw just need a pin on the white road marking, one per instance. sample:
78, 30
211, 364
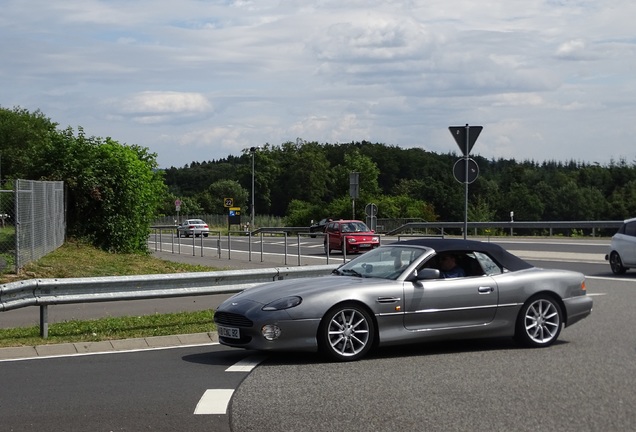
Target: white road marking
214, 401
247, 364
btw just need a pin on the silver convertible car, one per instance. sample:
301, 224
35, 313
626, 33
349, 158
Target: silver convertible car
398, 294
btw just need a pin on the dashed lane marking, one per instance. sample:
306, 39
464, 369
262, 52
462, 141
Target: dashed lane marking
216, 401
247, 364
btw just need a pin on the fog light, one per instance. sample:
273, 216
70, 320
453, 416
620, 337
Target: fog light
270, 332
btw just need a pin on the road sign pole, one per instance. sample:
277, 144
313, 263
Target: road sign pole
466, 181
465, 143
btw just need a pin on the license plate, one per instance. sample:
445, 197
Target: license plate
364, 245
229, 332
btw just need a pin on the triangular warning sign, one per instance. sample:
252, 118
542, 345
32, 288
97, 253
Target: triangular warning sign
459, 133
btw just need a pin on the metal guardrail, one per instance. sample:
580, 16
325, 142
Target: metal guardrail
510, 226
46, 292
441, 226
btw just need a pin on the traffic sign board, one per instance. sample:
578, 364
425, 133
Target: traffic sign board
459, 170
228, 202
459, 133
371, 210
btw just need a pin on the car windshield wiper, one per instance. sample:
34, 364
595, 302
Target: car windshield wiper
351, 272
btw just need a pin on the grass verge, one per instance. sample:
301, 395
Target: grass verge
111, 328
76, 259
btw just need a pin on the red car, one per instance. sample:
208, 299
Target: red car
350, 236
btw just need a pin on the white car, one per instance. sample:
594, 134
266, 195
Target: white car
622, 251
193, 227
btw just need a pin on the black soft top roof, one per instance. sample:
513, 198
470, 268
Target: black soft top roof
499, 254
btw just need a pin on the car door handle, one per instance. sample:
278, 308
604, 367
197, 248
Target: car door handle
485, 289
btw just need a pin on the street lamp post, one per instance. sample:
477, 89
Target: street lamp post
253, 152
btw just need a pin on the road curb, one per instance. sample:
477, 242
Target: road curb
119, 345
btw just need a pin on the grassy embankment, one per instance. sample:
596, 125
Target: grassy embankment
79, 260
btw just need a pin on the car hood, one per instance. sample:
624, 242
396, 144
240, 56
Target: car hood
304, 287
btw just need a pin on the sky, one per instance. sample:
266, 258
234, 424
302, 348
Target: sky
199, 80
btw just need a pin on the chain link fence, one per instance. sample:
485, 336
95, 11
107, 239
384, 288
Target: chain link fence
32, 221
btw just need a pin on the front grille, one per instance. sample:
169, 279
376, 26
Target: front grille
232, 319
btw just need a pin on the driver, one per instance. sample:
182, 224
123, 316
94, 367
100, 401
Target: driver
448, 266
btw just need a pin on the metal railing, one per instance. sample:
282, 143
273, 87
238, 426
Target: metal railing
163, 238
511, 227
291, 236
46, 292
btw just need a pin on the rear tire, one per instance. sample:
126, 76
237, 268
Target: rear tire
616, 263
539, 322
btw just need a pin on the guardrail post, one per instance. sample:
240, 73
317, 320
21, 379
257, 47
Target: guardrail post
298, 235
249, 246
229, 245
44, 322
285, 237
261, 246
344, 249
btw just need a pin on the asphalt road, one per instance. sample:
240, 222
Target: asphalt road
156, 390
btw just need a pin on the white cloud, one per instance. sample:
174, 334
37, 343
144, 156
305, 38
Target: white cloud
195, 80
165, 102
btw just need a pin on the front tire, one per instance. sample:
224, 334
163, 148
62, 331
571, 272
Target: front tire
616, 264
347, 333
539, 322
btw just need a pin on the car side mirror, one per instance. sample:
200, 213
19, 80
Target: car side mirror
426, 274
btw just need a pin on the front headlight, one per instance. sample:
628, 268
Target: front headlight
283, 303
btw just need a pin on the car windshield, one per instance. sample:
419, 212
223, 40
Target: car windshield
354, 227
386, 262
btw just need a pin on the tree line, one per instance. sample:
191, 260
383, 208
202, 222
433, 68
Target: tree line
304, 180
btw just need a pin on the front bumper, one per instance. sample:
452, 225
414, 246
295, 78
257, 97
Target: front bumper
295, 335
248, 317
577, 308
